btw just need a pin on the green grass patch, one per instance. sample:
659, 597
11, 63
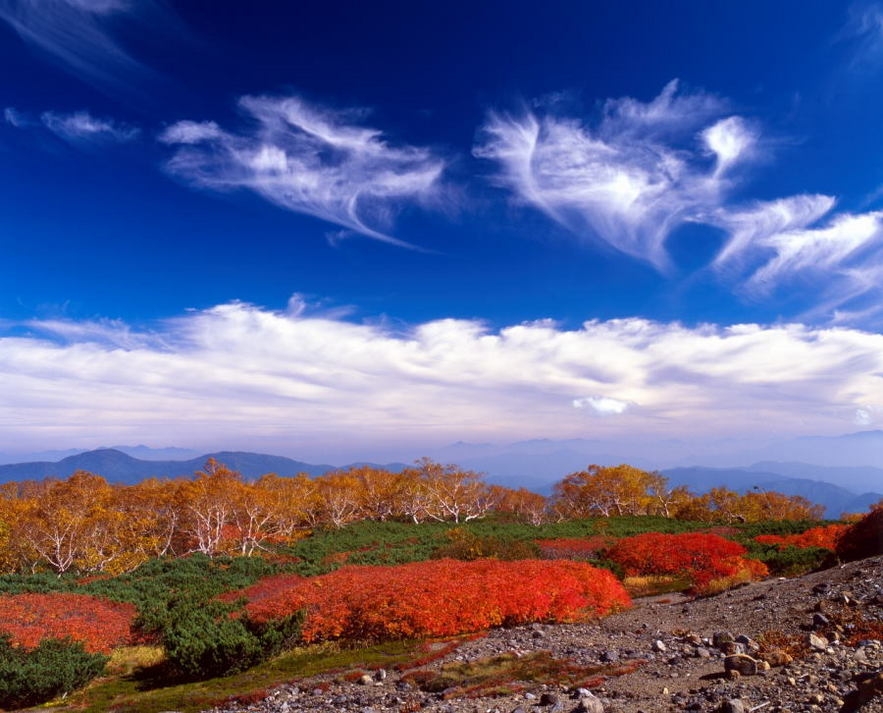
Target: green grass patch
149, 690
509, 673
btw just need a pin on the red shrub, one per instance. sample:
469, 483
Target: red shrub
825, 537
863, 539
436, 598
98, 623
699, 557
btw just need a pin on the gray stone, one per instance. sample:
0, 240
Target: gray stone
733, 705
590, 704
819, 643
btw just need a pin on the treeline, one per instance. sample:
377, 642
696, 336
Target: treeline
85, 524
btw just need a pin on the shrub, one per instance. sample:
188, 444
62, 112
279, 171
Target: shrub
824, 537
436, 598
463, 544
701, 558
793, 561
574, 548
30, 676
204, 639
863, 539
99, 624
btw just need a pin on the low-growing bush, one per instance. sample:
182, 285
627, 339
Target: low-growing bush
863, 539
462, 544
30, 676
706, 561
574, 548
99, 624
204, 639
436, 598
824, 537
792, 561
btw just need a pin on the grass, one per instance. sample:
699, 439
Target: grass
652, 585
509, 673
132, 689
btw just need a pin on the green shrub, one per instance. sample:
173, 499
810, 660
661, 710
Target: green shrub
462, 544
204, 639
29, 677
790, 561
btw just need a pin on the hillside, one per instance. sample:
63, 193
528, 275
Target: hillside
658, 657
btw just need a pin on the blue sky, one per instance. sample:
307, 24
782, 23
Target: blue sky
379, 227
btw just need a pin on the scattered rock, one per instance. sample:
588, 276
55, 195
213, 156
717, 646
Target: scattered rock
817, 642
590, 703
733, 705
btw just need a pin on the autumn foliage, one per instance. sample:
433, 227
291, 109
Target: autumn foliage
700, 558
864, 538
99, 624
436, 598
824, 537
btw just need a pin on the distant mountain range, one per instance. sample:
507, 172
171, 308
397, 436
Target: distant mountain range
835, 498
534, 465
118, 467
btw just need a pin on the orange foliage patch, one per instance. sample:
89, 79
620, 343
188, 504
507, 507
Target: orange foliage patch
436, 598
825, 537
699, 557
99, 624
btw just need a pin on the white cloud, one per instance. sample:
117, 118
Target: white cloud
863, 417
824, 248
236, 375
730, 140
772, 245
603, 405
750, 228
77, 34
191, 132
630, 181
81, 127
310, 160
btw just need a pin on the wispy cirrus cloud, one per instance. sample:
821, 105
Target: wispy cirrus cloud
631, 180
308, 159
14, 117
82, 128
79, 35
79, 128
775, 244
863, 30
293, 377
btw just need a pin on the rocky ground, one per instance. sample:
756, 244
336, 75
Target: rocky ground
801, 645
